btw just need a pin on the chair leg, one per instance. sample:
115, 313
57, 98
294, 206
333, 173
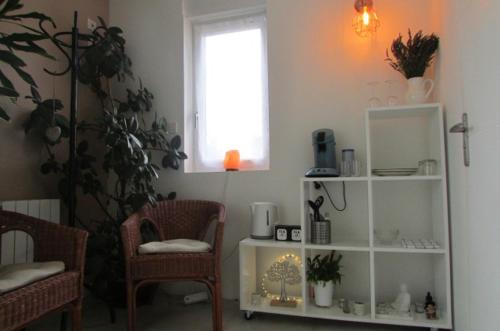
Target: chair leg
76, 317
64, 321
112, 313
131, 307
217, 306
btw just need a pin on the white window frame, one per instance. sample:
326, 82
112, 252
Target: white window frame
193, 117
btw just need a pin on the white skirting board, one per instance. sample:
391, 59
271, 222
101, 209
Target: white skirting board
17, 246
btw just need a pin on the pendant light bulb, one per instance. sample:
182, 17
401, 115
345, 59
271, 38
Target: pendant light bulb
366, 21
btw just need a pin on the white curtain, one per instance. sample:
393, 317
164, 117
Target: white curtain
231, 92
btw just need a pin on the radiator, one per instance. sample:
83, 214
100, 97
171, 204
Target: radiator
17, 246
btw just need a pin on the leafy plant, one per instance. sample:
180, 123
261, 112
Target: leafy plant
133, 136
324, 269
414, 57
13, 43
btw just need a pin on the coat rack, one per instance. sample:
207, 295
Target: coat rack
72, 67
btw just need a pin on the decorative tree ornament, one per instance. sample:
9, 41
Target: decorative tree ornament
286, 272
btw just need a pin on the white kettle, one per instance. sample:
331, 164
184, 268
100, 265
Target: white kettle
264, 217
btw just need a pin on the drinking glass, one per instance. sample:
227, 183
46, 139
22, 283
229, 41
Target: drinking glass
392, 99
374, 101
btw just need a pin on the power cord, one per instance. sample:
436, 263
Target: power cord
224, 260
322, 185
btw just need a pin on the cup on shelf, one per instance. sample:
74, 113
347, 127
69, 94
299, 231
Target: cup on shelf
374, 101
256, 299
427, 167
392, 87
359, 308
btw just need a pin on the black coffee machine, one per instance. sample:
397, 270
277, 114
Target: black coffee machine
325, 161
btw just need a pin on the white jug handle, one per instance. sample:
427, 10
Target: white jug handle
429, 82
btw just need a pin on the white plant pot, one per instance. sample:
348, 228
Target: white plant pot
419, 90
323, 294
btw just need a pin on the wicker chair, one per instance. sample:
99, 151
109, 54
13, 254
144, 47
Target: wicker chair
62, 292
174, 220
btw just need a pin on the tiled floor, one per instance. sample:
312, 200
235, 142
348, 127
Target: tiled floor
169, 314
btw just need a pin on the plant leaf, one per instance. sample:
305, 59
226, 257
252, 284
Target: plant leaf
11, 59
25, 76
4, 115
8, 92
5, 81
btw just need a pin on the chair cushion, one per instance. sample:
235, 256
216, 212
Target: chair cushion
15, 276
175, 245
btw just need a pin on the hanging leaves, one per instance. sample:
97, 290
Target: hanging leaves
13, 43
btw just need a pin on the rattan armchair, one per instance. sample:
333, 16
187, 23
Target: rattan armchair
174, 220
61, 292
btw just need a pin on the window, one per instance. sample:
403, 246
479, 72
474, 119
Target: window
229, 93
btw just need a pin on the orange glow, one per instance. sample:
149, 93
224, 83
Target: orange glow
366, 16
366, 21
232, 160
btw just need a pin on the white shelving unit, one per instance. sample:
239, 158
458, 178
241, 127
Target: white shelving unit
416, 205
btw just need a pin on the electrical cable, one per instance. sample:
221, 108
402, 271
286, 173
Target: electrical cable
224, 260
331, 200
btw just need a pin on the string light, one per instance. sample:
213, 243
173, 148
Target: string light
286, 257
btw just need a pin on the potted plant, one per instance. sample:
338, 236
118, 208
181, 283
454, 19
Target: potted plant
324, 273
412, 59
133, 142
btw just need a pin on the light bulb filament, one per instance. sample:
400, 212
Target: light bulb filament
366, 16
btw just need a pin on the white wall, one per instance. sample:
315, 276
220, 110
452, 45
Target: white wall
318, 70
470, 82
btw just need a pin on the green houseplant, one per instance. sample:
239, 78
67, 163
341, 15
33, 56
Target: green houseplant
324, 273
411, 59
119, 176
25, 40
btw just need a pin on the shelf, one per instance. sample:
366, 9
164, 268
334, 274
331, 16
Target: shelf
418, 320
399, 249
404, 178
336, 313
265, 307
335, 179
403, 111
353, 245
271, 243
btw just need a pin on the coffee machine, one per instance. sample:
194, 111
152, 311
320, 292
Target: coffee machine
325, 161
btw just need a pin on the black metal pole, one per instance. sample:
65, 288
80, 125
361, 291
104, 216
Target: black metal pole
72, 122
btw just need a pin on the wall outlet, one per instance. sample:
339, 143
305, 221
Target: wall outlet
91, 24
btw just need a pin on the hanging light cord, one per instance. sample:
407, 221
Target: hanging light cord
330, 198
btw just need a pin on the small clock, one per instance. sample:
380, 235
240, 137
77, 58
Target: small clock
288, 233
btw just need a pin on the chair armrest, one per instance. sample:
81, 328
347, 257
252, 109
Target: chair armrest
52, 242
219, 234
131, 234
55, 242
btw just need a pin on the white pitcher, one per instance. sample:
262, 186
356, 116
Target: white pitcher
419, 90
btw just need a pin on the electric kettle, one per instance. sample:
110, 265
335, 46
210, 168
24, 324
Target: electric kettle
264, 217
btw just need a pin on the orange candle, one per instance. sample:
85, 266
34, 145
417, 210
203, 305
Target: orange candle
232, 160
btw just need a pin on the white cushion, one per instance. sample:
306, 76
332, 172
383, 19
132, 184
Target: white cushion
176, 245
14, 276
